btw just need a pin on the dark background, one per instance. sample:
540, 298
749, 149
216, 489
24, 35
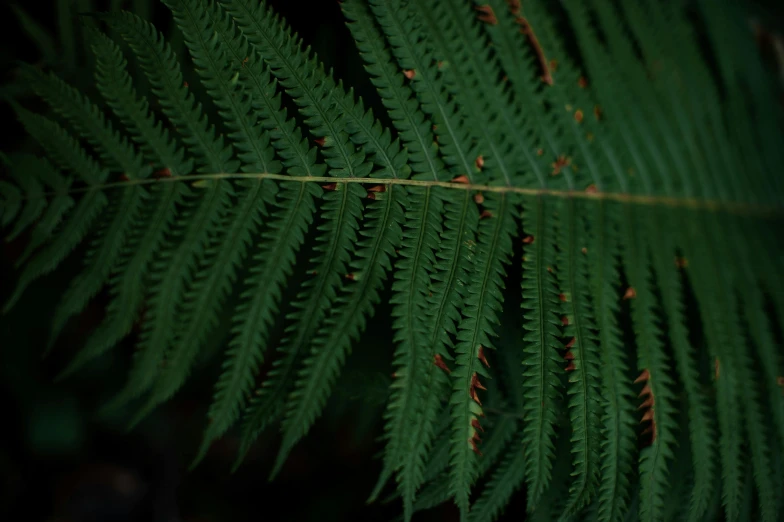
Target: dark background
60, 461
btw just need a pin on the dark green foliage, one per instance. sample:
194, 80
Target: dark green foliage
623, 149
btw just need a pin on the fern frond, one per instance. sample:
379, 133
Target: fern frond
115, 84
725, 379
24, 171
273, 265
618, 444
88, 120
196, 20
508, 477
104, 252
305, 82
348, 315
483, 302
582, 357
416, 392
178, 104
69, 234
168, 278
701, 432
654, 371
62, 148
404, 33
212, 278
541, 360
636, 146
126, 286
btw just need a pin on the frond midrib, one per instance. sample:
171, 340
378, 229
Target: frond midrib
731, 207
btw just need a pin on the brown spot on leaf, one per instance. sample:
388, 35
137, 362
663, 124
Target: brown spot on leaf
527, 240
597, 112
320, 141
681, 262
565, 321
409, 73
571, 342
481, 356
162, 173
533, 41
477, 425
514, 6
582, 82
330, 186
486, 14
644, 376
378, 188
475, 384
562, 297
569, 356
584, 250
485, 214
570, 367
648, 403
559, 163
578, 115
439, 361
540, 152
479, 162
716, 367
631, 293
591, 189
461, 179
479, 198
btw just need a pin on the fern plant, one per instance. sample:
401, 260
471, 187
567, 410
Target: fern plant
621, 156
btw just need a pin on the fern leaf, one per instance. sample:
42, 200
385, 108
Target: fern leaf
541, 360
163, 72
414, 360
508, 477
103, 254
305, 81
61, 147
88, 120
69, 235
701, 432
297, 157
236, 378
273, 265
115, 84
401, 26
211, 281
397, 97
347, 318
471, 70
706, 277
126, 287
654, 372
482, 306
24, 171
12, 203
196, 20
167, 286
619, 443
582, 356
